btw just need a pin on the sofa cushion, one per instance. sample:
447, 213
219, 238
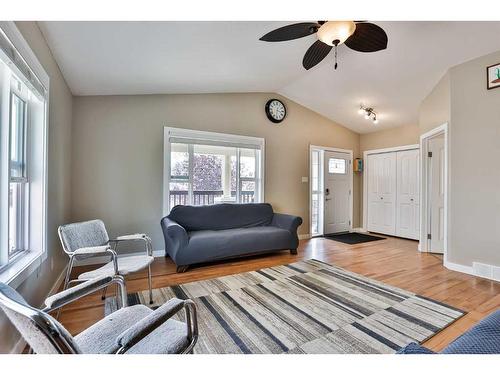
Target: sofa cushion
222, 216
414, 348
483, 338
207, 245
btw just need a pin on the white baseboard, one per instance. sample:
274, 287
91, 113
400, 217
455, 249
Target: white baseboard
304, 236
458, 267
21, 343
359, 230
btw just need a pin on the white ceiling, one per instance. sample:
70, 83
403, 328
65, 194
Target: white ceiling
106, 58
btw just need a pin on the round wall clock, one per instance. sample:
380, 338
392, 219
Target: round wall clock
275, 110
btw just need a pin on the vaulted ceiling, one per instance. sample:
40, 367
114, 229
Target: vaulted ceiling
123, 58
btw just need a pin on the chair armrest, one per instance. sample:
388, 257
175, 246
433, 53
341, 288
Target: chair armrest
69, 295
288, 222
135, 237
131, 237
148, 324
95, 250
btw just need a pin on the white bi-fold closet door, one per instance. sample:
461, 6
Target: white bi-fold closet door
393, 193
382, 193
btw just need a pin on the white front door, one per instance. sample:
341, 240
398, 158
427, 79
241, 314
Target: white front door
337, 185
436, 170
408, 205
381, 173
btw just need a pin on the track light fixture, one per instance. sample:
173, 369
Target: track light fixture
369, 113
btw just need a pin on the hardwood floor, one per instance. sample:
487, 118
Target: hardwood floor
393, 261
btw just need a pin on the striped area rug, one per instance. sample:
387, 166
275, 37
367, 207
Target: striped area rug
304, 307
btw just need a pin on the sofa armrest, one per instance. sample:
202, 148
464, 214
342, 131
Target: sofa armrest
175, 236
288, 222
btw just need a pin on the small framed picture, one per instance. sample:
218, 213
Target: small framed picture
493, 75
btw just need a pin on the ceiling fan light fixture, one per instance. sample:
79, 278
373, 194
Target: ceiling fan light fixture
336, 32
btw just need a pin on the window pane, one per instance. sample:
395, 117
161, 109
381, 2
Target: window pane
315, 214
336, 166
178, 193
179, 161
315, 170
212, 174
247, 194
16, 217
247, 163
17, 135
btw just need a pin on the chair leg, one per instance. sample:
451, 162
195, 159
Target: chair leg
66, 281
150, 285
293, 251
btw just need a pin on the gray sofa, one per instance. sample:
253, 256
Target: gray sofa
199, 234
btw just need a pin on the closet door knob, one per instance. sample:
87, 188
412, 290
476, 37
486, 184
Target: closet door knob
411, 199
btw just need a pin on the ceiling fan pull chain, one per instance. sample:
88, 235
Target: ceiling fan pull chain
335, 57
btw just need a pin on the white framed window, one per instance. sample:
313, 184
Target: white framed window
202, 168
24, 89
337, 166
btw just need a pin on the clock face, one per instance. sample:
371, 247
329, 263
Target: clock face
275, 110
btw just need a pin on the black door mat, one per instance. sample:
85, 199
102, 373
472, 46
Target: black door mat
353, 238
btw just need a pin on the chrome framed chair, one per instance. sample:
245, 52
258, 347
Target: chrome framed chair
89, 238
130, 330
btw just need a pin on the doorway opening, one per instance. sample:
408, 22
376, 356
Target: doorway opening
331, 183
434, 199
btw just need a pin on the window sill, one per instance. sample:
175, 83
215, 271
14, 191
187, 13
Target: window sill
17, 272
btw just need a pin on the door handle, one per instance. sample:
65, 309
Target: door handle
381, 197
411, 199
328, 199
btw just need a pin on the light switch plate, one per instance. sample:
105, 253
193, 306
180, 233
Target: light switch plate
305, 179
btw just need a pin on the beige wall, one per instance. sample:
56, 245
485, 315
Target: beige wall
400, 136
36, 287
118, 152
474, 156
435, 108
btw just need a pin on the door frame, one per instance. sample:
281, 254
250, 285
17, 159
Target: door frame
322, 150
365, 173
424, 196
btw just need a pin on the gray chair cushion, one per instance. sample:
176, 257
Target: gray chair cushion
126, 265
170, 337
222, 216
85, 234
207, 245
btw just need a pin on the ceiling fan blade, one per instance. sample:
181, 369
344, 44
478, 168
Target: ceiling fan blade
315, 54
368, 37
290, 32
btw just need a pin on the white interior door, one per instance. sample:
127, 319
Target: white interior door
381, 174
408, 202
436, 182
337, 196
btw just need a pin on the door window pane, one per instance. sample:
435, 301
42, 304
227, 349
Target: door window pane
336, 166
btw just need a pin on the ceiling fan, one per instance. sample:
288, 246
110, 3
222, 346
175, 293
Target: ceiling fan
357, 35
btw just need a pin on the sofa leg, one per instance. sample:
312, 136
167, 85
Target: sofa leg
181, 269
293, 251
